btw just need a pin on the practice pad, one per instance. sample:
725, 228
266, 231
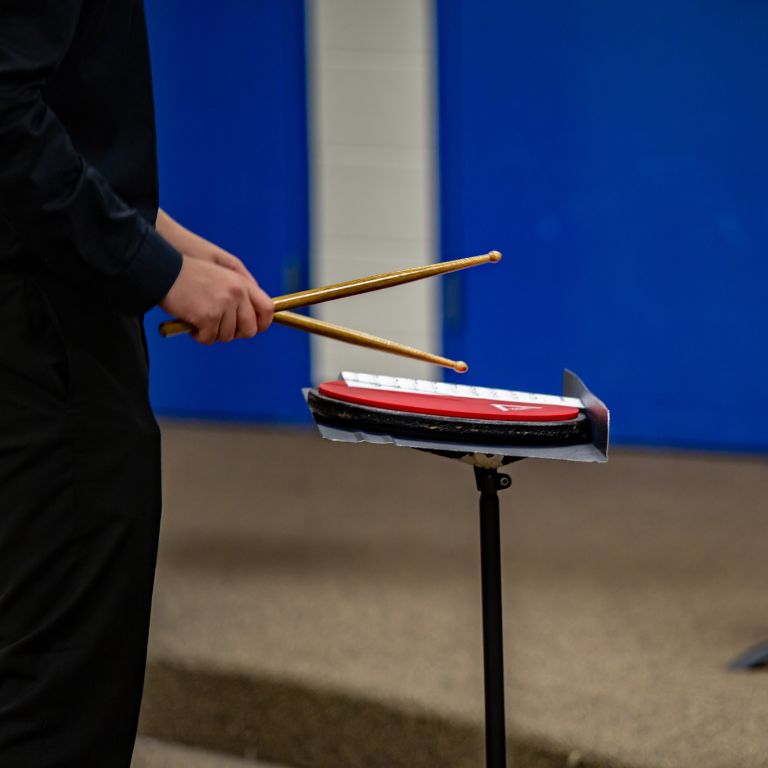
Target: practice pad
446, 417
446, 405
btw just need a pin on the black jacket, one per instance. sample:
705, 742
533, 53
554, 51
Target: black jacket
78, 170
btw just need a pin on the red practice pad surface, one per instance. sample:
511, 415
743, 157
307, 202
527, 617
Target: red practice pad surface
446, 405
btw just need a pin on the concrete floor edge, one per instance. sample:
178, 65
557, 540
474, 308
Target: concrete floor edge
307, 726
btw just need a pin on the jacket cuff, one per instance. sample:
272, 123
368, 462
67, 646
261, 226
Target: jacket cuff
149, 275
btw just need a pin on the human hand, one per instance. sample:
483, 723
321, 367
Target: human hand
220, 302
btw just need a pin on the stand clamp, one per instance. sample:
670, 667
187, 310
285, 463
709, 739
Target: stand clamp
490, 480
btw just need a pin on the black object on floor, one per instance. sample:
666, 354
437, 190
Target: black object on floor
753, 659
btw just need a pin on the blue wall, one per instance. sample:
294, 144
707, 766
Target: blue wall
231, 111
616, 153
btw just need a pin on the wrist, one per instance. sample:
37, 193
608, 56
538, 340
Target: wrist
178, 236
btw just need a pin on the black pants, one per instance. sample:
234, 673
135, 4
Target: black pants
79, 519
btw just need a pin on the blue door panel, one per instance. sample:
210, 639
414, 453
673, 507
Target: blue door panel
232, 140
616, 153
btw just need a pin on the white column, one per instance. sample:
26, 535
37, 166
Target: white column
373, 160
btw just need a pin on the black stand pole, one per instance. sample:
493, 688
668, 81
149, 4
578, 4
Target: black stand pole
489, 482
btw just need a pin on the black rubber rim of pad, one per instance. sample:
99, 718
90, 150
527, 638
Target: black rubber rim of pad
353, 417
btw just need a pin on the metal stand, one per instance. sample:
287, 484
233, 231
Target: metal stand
486, 459
489, 482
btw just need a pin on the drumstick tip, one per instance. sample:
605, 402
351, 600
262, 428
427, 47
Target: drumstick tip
460, 367
495, 255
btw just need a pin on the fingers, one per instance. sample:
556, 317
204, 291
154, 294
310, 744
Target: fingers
206, 333
247, 322
238, 320
221, 302
228, 325
262, 305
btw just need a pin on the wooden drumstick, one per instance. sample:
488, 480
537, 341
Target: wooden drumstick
376, 282
353, 287
340, 333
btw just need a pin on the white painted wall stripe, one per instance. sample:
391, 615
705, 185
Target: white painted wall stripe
373, 160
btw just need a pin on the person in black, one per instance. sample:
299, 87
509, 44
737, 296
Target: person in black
83, 254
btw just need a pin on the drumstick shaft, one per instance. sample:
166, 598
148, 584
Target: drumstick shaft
340, 333
354, 287
377, 282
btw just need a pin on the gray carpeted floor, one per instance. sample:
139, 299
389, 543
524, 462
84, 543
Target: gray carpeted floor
317, 604
151, 753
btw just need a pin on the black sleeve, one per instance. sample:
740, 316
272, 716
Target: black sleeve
46, 185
